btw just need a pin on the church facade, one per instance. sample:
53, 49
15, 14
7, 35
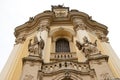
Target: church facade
61, 44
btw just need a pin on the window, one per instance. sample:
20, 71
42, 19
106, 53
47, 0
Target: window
62, 45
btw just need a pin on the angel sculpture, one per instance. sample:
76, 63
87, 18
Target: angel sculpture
87, 47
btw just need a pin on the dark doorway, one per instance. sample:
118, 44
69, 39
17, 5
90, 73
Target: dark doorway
66, 78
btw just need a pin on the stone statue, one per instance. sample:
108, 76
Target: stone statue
41, 46
30, 46
36, 47
87, 47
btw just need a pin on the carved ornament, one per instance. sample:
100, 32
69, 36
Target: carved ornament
79, 24
20, 39
105, 76
87, 47
36, 47
103, 38
43, 25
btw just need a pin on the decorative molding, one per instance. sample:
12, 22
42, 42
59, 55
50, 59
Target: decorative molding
102, 36
20, 39
88, 48
79, 24
44, 25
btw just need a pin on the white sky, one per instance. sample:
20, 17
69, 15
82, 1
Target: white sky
16, 12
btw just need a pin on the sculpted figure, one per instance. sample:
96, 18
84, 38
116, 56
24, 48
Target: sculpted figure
87, 47
36, 47
30, 46
41, 46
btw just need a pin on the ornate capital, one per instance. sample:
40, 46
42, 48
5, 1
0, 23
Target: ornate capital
102, 37
20, 39
79, 24
44, 25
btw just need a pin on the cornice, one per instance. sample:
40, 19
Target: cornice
31, 25
88, 20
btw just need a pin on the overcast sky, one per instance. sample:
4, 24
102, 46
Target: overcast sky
16, 12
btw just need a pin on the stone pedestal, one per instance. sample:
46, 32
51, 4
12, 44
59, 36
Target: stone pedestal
31, 66
98, 62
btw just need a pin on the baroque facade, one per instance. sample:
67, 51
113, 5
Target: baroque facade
61, 44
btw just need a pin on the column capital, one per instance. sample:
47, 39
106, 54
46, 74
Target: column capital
79, 24
20, 39
102, 37
44, 25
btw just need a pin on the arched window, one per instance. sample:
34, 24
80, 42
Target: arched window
62, 45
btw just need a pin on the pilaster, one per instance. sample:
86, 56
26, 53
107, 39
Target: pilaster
99, 63
31, 66
80, 28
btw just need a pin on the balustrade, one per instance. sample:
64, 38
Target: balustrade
63, 55
82, 67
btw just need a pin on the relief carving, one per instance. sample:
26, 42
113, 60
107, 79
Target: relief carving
102, 37
87, 47
105, 76
20, 39
79, 24
28, 77
43, 25
36, 47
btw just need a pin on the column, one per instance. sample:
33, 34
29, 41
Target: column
10, 65
43, 32
114, 61
80, 28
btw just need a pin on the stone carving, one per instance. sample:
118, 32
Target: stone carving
87, 47
36, 47
67, 74
43, 25
20, 39
101, 36
58, 6
105, 76
28, 77
79, 24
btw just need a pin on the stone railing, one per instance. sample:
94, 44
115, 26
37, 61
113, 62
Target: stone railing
53, 67
63, 56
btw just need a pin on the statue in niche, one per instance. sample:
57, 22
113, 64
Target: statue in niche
36, 47
87, 47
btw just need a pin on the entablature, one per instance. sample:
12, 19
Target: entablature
66, 65
32, 25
